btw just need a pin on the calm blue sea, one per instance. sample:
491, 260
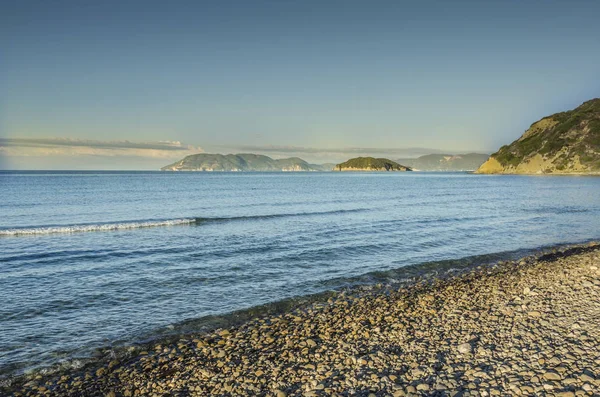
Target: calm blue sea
98, 259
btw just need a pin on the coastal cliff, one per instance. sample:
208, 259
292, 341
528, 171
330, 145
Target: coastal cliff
370, 164
563, 143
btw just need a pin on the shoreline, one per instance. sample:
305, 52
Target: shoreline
407, 275
591, 173
367, 341
378, 280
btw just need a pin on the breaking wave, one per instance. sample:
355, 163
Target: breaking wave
93, 228
103, 227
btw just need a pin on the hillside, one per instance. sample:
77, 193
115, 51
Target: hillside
446, 162
563, 143
370, 164
241, 162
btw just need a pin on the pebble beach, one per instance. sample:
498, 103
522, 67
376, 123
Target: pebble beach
526, 327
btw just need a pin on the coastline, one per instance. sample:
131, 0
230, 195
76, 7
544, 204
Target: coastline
517, 327
539, 173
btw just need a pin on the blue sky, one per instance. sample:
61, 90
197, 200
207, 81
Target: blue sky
308, 78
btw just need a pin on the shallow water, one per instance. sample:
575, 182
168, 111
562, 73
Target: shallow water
89, 260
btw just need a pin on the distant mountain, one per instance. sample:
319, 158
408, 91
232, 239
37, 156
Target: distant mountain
241, 162
446, 162
564, 143
325, 166
370, 164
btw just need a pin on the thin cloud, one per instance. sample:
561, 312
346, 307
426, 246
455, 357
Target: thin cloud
25, 147
301, 149
330, 154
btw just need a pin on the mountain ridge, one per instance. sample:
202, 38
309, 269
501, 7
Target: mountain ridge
445, 162
241, 162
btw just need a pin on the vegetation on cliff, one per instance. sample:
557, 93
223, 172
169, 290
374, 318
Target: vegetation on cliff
565, 142
370, 164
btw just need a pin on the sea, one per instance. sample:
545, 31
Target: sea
96, 261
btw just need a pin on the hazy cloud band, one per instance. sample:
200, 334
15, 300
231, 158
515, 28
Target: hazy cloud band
75, 147
346, 150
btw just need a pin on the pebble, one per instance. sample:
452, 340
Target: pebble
586, 378
565, 394
551, 375
465, 348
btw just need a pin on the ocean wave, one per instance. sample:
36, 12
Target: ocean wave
565, 209
273, 216
103, 227
93, 227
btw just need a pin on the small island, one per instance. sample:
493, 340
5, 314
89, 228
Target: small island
370, 164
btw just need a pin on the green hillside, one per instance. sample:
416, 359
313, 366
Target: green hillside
566, 142
370, 164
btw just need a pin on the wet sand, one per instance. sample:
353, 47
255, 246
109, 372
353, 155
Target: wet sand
527, 327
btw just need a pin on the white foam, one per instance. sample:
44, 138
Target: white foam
93, 228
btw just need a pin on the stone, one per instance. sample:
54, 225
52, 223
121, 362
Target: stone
585, 378
465, 348
422, 387
552, 375
527, 390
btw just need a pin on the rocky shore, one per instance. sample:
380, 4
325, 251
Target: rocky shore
530, 327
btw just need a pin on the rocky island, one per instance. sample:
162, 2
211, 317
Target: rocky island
563, 143
242, 162
370, 164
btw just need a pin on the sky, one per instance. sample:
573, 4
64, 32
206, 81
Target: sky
137, 85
